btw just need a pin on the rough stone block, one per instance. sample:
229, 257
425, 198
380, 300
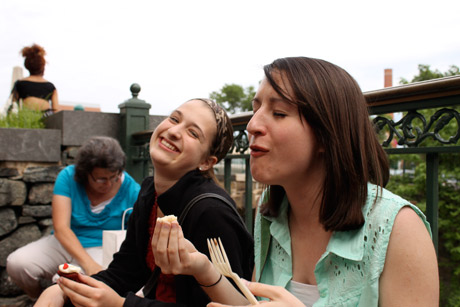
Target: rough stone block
8, 221
45, 222
26, 220
41, 193
41, 174
7, 172
12, 192
36, 211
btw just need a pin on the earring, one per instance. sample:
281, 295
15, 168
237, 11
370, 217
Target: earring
201, 169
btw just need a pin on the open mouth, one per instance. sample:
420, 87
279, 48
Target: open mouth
168, 145
258, 149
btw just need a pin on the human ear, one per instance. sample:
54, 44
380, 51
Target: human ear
208, 163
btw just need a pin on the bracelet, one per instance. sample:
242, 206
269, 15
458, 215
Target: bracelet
220, 278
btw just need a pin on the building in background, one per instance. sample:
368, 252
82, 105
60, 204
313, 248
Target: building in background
388, 78
388, 82
71, 106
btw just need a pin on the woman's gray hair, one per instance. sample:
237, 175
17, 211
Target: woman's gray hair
99, 151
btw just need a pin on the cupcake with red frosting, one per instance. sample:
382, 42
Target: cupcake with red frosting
69, 271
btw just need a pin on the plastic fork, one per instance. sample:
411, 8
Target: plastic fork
221, 263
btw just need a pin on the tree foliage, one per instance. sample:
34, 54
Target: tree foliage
425, 73
234, 98
412, 187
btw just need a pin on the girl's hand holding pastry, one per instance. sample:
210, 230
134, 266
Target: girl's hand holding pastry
176, 255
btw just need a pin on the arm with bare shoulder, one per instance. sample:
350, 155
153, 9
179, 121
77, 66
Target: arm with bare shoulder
62, 210
54, 100
410, 276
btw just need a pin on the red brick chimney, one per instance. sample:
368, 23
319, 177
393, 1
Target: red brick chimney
388, 77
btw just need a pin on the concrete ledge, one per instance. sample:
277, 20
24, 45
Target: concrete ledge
33, 145
77, 126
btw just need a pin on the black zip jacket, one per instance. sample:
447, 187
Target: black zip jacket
209, 218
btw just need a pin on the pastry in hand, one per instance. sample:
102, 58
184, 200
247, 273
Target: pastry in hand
167, 218
69, 271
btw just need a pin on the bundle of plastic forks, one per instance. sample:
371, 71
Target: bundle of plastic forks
221, 263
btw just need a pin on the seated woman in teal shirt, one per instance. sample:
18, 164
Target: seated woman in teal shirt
89, 197
327, 233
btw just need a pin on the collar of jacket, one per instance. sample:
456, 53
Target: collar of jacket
176, 197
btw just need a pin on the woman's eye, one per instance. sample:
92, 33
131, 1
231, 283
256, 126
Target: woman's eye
194, 133
278, 114
173, 119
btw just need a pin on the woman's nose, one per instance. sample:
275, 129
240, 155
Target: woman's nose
256, 125
175, 131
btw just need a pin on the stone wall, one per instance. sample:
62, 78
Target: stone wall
25, 211
30, 161
26, 191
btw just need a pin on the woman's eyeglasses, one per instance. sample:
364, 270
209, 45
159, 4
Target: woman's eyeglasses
112, 179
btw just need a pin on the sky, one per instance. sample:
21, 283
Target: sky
182, 49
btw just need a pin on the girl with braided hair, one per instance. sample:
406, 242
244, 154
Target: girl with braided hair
184, 149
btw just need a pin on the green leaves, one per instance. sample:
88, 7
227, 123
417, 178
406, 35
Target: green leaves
412, 188
234, 98
24, 118
425, 73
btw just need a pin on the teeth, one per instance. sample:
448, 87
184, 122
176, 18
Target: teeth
173, 148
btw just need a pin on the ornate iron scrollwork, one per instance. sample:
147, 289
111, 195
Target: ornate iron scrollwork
240, 143
412, 135
141, 152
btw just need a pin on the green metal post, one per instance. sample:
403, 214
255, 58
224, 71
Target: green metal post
432, 194
248, 196
134, 117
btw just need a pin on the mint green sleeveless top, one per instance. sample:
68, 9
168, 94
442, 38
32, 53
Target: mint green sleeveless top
348, 272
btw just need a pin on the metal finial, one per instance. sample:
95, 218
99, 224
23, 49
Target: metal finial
135, 89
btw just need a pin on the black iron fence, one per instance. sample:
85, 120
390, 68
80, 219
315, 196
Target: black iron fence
400, 118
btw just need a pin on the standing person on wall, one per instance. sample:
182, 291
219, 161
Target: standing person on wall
327, 232
89, 197
184, 149
35, 91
